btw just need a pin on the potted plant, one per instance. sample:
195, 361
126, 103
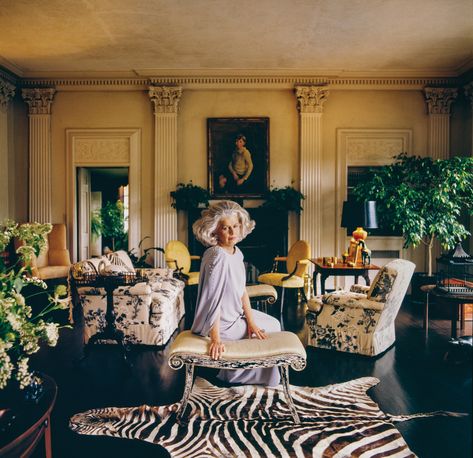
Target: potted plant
109, 222
22, 329
423, 198
141, 261
189, 196
285, 199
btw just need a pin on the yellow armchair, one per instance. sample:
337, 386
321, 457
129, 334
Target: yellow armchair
54, 260
297, 262
178, 257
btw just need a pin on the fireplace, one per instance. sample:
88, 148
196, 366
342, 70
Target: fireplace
268, 239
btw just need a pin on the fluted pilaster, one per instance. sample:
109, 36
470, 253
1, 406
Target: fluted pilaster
469, 93
439, 101
39, 101
310, 100
165, 100
7, 91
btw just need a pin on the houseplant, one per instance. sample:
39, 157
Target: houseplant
21, 331
284, 199
189, 196
109, 222
141, 261
423, 198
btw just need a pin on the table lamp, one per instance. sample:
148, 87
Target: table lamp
358, 216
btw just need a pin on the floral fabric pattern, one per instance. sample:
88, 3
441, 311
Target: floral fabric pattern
148, 312
362, 323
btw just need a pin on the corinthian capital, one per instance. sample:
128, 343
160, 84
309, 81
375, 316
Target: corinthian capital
469, 92
39, 100
165, 99
310, 99
439, 99
7, 91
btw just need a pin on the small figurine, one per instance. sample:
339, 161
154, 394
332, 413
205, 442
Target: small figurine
366, 256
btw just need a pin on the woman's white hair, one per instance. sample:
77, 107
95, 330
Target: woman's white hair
205, 227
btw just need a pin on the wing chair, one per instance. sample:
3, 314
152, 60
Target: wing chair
54, 261
297, 261
362, 320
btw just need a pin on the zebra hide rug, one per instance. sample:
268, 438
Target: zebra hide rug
338, 420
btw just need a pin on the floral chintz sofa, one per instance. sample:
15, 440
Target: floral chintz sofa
362, 320
147, 312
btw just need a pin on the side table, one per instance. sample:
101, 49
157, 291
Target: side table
32, 422
339, 269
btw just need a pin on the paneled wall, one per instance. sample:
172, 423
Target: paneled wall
350, 107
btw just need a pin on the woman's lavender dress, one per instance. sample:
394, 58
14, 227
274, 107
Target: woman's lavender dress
221, 287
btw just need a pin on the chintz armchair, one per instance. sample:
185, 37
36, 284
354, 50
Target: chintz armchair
362, 320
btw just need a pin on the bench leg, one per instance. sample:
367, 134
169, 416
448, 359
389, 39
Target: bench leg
284, 370
187, 390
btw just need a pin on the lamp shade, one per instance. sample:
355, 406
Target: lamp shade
359, 214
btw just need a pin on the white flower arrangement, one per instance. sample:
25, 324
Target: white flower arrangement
20, 332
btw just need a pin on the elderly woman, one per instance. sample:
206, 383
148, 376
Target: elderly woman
223, 310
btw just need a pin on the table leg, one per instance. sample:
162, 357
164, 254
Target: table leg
454, 320
366, 276
323, 277
426, 315
314, 281
47, 439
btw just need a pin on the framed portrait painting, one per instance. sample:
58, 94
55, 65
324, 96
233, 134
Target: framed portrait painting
238, 152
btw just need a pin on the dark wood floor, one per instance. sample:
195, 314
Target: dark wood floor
414, 378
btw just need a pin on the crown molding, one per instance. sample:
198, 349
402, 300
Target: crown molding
254, 80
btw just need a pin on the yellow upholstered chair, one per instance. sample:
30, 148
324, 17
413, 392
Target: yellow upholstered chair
178, 257
54, 260
297, 262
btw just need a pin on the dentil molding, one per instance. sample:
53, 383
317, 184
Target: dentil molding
39, 100
310, 99
7, 91
239, 80
165, 99
440, 99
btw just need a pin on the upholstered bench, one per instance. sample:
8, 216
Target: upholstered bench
262, 295
282, 349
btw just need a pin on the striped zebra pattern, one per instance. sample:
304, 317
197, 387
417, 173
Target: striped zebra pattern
337, 421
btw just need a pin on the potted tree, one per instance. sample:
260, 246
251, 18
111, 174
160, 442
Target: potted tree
423, 198
109, 222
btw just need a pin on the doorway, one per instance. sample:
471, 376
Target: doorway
102, 210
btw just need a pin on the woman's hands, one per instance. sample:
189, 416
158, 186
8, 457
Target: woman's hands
217, 348
255, 331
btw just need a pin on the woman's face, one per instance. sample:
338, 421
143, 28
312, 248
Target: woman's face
228, 231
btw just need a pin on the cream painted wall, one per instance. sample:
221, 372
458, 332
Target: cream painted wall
102, 110
197, 106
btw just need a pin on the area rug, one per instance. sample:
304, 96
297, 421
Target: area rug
338, 420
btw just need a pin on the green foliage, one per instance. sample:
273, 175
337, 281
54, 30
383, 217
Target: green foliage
189, 196
423, 197
21, 332
284, 199
109, 221
140, 262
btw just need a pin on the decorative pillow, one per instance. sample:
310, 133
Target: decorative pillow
382, 284
120, 261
